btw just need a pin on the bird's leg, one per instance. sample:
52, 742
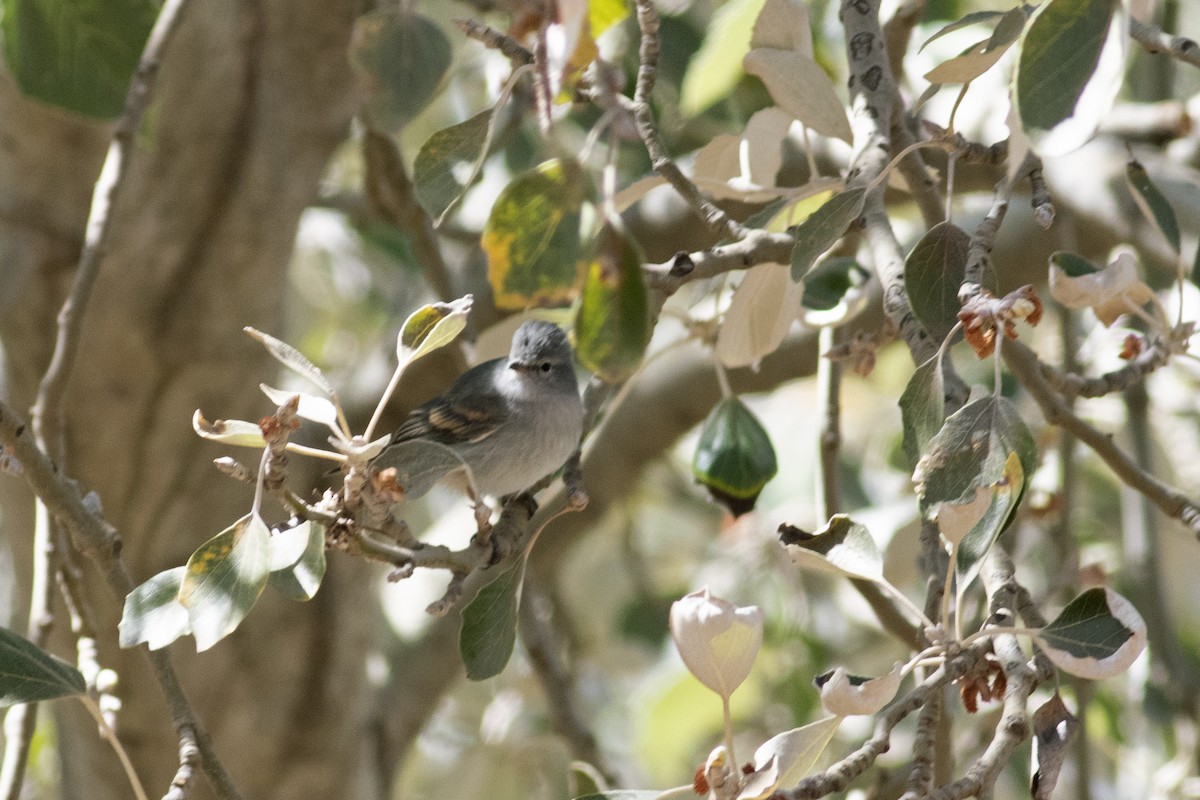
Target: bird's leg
525, 498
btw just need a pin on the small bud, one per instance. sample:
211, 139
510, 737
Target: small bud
717, 640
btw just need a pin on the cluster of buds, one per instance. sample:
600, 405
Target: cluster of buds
983, 314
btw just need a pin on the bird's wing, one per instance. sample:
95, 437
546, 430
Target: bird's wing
455, 418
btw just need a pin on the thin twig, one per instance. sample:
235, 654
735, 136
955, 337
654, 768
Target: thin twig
509, 47
839, 776
660, 159
758, 247
1155, 40
1024, 364
829, 384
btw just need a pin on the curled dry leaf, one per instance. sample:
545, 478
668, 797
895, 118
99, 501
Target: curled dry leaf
228, 431
1109, 292
985, 314
845, 695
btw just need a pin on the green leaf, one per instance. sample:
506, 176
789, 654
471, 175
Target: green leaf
981, 56
933, 273
76, 54
823, 228
716, 67
29, 674
443, 165
612, 327
584, 779
296, 560
798, 750
224, 578
843, 547
293, 359
1153, 204
1072, 264
734, 458
532, 236
1071, 48
826, 286
922, 408
311, 407
971, 450
970, 19
489, 624
400, 59
432, 326
1196, 267
153, 613
1098, 634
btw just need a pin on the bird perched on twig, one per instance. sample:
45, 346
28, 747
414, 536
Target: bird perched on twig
511, 420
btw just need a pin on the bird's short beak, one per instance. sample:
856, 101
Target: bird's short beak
520, 366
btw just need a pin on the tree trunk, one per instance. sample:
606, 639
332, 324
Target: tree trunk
251, 101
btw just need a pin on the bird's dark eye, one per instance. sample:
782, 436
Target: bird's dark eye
545, 366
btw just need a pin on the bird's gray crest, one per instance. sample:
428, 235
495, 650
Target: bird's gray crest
536, 340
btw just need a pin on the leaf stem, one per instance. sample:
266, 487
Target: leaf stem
107, 732
947, 588
904, 601
387, 395
734, 770
1000, 630
883, 174
315, 452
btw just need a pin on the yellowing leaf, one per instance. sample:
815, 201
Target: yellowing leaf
603, 14
532, 236
612, 327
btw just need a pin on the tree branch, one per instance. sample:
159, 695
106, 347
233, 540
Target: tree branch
1024, 364
1154, 40
660, 159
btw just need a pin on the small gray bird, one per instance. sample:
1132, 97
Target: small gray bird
512, 420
